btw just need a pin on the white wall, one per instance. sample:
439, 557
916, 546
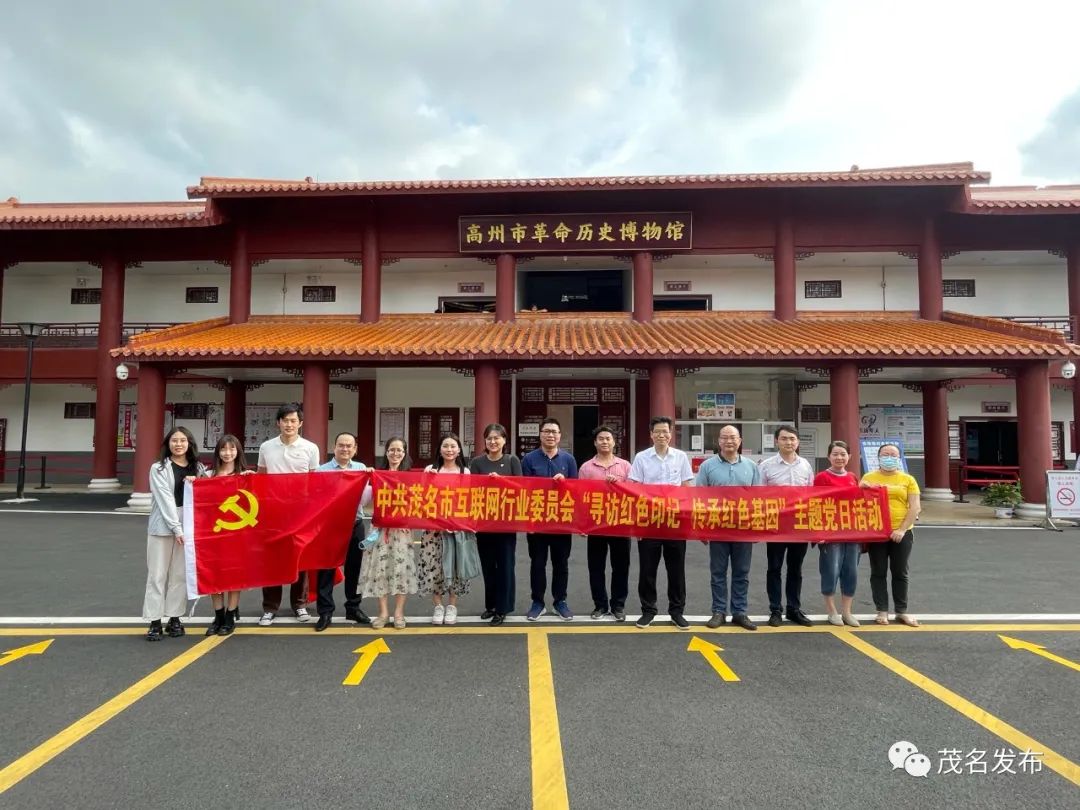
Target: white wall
158, 298
46, 298
731, 289
420, 291
1017, 291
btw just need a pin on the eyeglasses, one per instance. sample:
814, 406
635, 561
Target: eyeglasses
550, 432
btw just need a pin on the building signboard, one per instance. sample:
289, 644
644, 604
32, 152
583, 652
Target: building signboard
563, 233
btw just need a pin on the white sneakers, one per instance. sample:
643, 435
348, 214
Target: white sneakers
302, 615
451, 615
266, 620
438, 616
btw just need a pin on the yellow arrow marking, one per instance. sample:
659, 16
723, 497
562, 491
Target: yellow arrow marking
1038, 649
368, 653
29, 649
710, 652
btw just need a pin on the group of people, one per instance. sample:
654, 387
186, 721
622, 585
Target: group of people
389, 568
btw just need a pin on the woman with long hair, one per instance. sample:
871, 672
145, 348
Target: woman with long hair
389, 567
496, 548
838, 562
432, 579
228, 460
166, 589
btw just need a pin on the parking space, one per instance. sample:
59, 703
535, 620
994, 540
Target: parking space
446, 718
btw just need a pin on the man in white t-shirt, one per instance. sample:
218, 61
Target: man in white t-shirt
288, 452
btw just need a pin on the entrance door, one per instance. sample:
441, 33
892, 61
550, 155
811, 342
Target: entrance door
991, 443
426, 425
586, 419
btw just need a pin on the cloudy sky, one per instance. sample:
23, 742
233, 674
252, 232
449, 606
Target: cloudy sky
137, 100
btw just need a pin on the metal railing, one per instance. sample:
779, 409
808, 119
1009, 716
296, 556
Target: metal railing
1060, 323
73, 335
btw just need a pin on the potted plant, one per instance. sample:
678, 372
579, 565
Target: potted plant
1004, 496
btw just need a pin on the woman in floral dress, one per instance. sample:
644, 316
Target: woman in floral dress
450, 461
390, 567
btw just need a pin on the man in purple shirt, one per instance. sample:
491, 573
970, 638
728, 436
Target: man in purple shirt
606, 466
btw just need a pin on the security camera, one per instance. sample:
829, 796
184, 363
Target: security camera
122, 372
1068, 369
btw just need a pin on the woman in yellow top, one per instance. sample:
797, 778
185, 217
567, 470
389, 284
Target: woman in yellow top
904, 508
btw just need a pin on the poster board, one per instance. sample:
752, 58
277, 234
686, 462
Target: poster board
904, 422
715, 406
215, 425
391, 424
260, 424
1063, 494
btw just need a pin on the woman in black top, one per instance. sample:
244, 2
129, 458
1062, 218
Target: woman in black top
497, 549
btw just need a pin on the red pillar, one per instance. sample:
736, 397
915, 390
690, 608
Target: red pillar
240, 279
370, 271
661, 390
106, 413
936, 441
485, 401
505, 287
1072, 272
149, 432
931, 303
1033, 436
317, 406
2, 265
643, 287
235, 409
365, 422
844, 404
784, 270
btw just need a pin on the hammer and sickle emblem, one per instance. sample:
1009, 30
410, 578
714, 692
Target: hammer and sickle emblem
245, 517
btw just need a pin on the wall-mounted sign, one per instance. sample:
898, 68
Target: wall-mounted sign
562, 233
466, 287
996, 407
902, 421
528, 429
676, 286
715, 406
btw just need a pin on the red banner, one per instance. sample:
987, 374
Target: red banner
246, 531
503, 504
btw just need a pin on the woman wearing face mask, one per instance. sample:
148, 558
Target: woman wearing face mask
904, 508
838, 561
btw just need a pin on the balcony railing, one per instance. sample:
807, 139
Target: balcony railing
1061, 323
71, 335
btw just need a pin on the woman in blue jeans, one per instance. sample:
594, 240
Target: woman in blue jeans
838, 560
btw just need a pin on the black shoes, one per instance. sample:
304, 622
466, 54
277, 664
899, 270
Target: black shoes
324, 621
497, 619
619, 614
716, 620
775, 620
174, 629
680, 621
154, 633
743, 621
214, 629
487, 614
645, 620
228, 626
235, 615
799, 617
356, 615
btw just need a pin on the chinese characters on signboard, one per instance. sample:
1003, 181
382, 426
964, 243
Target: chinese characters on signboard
562, 233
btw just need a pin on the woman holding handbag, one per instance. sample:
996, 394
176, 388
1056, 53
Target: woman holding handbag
389, 566
434, 548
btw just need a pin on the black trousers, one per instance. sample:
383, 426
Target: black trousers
539, 546
354, 558
886, 556
497, 550
795, 553
674, 553
598, 547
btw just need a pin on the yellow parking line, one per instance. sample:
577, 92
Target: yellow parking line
995, 725
548, 774
56, 745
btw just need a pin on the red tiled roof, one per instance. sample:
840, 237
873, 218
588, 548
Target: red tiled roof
934, 174
599, 337
15, 214
1025, 198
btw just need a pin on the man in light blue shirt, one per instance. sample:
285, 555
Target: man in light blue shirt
344, 450
729, 469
